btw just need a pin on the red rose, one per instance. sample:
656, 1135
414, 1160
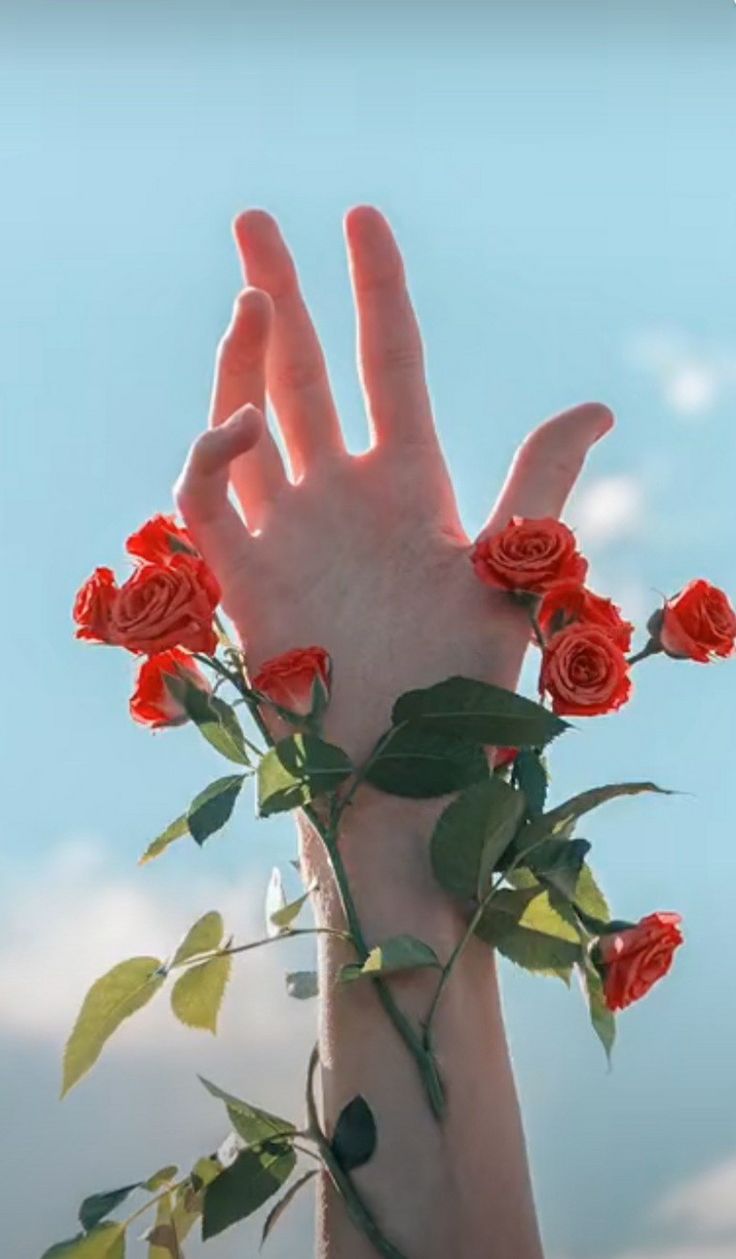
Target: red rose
93, 605
584, 672
289, 679
698, 623
504, 756
632, 961
569, 602
165, 606
529, 555
152, 703
158, 539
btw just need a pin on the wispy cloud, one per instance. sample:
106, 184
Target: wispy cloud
693, 378
607, 509
703, 1212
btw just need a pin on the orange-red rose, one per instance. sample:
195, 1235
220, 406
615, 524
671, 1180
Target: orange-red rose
164, 606
569, 602
584, 672
529, 555
158, 540
698, 623
632, 961
93, 606
289, 679
504, 756
152, 703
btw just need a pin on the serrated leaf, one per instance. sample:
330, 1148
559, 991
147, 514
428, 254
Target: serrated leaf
418, 762
94, 1208
602, 1019
302, 984
399, 953
480, 713
113, 998
559, 821
276, 1212
162, 1177
559, 863
354, 1139
530, 774
297, 770
106, 1241
175, 830
284, 917
197, 995
203, 937
472, 834
244, 1186
216, 720
275, 900
589, 898
211, 809
250, 1122
525, 928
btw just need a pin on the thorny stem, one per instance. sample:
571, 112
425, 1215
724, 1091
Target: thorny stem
257, 944
356, 1207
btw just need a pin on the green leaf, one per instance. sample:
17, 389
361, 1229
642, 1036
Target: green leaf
163, 1240
529, 774
302, 984
601, 1018
480, 713
276, 1212
187, 1210
559, 821
298, 769
251, 1123
244, 1186
205, 1170
399, 953
526, 929
203, 937
211, 809
106, 1241
559, 863
175, 830
354, 1138
197, 994
472, 834
162, 1177
98, 1205
113, 998
420, 763
589, 898
284, 917
216, 721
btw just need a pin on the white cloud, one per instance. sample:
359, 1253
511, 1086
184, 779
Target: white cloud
706, 1204
692, 378
607, 509
695, 1250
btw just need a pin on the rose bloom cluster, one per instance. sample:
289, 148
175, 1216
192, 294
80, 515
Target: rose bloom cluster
163, 612
584, 638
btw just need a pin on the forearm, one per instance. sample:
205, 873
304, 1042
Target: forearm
460, 1187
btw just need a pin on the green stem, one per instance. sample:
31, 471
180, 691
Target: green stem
257, 944
652, 648
412, 1039
356, 1207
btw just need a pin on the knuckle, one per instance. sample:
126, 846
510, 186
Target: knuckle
298, 373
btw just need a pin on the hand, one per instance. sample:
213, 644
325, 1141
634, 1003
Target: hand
365, 554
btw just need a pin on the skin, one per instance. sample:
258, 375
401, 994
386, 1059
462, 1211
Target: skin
366, 556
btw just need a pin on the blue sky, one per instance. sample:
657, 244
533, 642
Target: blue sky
561, 180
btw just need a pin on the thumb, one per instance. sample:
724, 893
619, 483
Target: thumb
547, 465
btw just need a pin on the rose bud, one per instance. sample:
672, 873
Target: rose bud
529, 556
290, 680
152, 703
93, 605
504, 756
584, 672
158, 539
696, 624
165, 606
568, 602
632, 961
